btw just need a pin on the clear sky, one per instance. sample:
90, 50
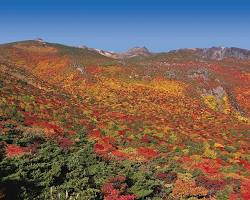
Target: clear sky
117, 25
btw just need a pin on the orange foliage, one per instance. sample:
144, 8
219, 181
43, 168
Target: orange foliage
187, 188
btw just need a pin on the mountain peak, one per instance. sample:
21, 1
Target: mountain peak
40, 40
137, 51
133, 52
220, 53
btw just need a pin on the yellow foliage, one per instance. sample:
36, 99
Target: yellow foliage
170, 87
210, 101
208, 152
196, 158
213, 103
185, 151
111, 83
226, 105
241, 118
128, 150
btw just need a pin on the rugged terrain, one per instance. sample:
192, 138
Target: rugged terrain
83, 123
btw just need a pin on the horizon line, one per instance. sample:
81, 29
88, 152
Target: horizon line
136, 46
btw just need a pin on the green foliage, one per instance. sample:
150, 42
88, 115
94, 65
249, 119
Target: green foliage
194, 147
172, 138
144, 185
230, 149
223, 195
78, 172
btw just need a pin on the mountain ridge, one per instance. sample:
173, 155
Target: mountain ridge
211, 53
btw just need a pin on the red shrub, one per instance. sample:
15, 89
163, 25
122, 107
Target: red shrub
209, 167
245, 189
65, 143
147, 152
70, 132
161, 176
234, 196
51, 129
245, 164
167, 177
122, 132
99, 147
212, 185
114, 189
14, 150
185, 159
145, 139
95, 134
120, 154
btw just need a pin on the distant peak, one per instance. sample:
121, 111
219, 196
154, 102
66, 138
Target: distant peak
39, 40
138, 49
83, 47
220, 53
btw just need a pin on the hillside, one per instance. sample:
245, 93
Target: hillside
171, 125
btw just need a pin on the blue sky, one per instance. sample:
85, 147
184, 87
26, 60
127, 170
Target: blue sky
117, 25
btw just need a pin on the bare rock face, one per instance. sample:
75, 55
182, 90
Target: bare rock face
220, 53
137, 51
216, 99
200, 72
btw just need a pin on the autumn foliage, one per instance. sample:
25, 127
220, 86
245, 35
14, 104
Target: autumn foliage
169, 126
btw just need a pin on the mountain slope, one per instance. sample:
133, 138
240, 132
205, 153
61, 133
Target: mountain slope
169, 125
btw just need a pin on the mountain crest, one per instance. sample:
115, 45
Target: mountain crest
220, 53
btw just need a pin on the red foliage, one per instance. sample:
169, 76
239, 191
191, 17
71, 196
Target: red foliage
122, 132
94, 70
115, 188
167, 177
103, 149
185, 159
119, 154
245, 164
118, 178
234, 196
51, 129
99, 147
245, 189
95, 134
210, 184
65, 143
14, 150
145, 139
209, 167
108, 140
147, 152
161, 176
71, 132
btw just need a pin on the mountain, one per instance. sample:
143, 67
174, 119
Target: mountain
82, 124
213, 53
134, 52
220, 53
